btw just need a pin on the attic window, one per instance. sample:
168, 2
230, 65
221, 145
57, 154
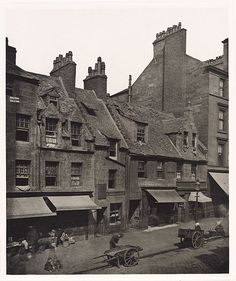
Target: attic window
75, 134
141, 132
53, 100
113, 149
89, 110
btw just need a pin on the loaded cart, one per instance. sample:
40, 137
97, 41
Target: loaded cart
191, 237
126, 255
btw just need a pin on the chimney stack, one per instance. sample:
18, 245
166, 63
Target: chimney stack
10, 53
226, 53
97, 80
65, 68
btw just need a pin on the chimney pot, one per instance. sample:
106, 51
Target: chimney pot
99, 59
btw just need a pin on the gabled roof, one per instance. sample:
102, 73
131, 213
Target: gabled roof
158, 144
102, 124
19, 72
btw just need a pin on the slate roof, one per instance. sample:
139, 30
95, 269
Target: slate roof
158, 144
17, 71
102, 124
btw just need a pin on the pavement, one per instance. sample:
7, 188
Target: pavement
80, 257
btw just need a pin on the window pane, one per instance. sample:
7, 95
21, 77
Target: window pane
141, 132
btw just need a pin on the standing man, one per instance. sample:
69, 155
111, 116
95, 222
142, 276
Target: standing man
115, 239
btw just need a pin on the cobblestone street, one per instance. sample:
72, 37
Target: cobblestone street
209, 259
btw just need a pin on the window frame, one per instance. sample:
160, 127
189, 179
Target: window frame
23, 127
22, 164
141, 128
179, 172
185, 138
76, 174
112, 178
221, 87
221, 120
56, 176
51, 130
115, 212
113, 148
194, 140
142, 173
221, 156
160, 170
53, 100
75, 134
193, 171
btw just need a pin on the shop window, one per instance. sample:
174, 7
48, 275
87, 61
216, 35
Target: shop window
160, 170
221, 120
22, 127
75, 133
53, 100
76, 172
51, 131
185, 140
113, 149
22, 172
51, 173
193, 171
141, 132
221, 88
179, 171
115, 213
142, 169
112, 179
194, 140
221, 154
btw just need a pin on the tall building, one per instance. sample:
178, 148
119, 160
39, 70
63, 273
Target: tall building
174, 78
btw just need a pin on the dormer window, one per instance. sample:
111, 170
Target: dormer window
113, 149
53, 100
185, 140
141, 132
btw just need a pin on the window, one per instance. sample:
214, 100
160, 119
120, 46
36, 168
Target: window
185, 141
141, 132
194, 140
9, 89
160, 170
76, 169
115, 213
75, 134
113, 148
53, 100
193, 171
22, 172
112, 179
179, 171
221, 120
51, 131
221, 154
141, 169
51, 173
221, 88
22, 127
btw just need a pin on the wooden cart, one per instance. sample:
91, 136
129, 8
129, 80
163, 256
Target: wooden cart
126, 255
191, 237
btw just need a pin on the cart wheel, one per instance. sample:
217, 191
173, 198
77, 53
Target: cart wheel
197, 239
131, 257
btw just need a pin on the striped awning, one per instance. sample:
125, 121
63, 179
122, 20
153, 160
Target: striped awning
27, 207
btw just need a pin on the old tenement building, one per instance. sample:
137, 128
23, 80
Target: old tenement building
65, 155
171, 80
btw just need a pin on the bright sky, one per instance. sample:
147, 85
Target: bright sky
122, 34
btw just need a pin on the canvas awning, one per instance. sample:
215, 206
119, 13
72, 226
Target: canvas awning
27, 207
222, 179
69, 203
165, 196
201, 197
